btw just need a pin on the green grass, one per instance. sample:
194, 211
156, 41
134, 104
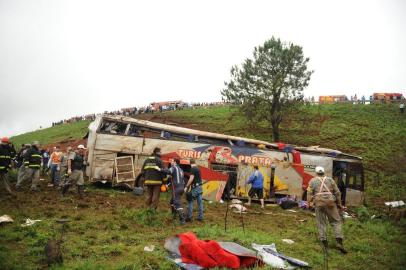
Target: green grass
109, 230
54, 134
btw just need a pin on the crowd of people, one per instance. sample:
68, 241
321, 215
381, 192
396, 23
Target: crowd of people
65, 167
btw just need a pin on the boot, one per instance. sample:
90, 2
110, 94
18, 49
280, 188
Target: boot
81, 191
173, 211
65, 189
340, 246
181, 217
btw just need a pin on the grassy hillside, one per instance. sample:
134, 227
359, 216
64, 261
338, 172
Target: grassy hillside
53, 134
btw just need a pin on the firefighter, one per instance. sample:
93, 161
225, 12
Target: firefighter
324, 194
6, 155
64, 166
154, 173
178, 185
32, 164
20, 162
76, 164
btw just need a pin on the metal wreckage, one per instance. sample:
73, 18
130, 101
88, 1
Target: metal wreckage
118, 146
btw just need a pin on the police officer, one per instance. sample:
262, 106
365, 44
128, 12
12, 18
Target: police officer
76, 164
32, 164
154, 173
324, 194
178, 185
6, 154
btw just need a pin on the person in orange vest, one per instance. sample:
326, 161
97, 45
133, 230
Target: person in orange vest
55, 165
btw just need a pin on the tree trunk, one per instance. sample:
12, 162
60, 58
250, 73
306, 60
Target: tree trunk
275, 131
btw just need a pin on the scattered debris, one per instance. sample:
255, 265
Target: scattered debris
395, 204
30, 222
346, 215
288, 241
236, 201
270, 259
239, 207
302, 220
138, 191
149, 248
6, 219
291, 210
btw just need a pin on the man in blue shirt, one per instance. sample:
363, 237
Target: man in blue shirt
256, 180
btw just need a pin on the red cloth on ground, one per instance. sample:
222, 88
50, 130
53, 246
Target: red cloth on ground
207, 254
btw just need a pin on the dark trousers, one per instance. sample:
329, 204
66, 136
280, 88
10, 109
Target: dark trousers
153, 193
176, 199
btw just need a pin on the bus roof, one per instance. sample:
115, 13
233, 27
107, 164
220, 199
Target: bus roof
188, 131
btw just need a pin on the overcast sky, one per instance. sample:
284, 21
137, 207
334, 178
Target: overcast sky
64, 58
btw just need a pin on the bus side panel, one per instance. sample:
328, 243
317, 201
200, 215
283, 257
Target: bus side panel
120, 144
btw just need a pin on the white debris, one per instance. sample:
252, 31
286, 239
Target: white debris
235, 201
239, 207
291, 210
6, 219
149, 248
346, 215
30, 222
268, 258
288, 241
395, 203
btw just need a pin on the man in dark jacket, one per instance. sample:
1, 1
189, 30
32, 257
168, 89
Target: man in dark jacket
76, 164
32, 163
6, 154
153, 172
178, 185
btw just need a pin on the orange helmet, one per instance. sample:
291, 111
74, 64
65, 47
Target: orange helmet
163, 188
5, 140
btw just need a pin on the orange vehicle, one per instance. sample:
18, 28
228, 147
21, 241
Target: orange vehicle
332, 99
387, 97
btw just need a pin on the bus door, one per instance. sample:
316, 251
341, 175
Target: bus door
350, 180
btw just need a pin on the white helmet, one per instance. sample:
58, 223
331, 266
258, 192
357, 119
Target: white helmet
319, 170
81, 146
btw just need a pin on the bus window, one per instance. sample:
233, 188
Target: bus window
110, 127
134, 131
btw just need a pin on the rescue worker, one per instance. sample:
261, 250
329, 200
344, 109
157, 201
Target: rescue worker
76, 163
32, 163
323, 193
6, 155
153, 172
20, 162
64, 166
194, 191
178, 185
256, 180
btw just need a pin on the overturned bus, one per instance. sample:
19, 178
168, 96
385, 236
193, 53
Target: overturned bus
118, 146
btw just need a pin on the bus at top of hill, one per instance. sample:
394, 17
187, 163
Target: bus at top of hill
119, 145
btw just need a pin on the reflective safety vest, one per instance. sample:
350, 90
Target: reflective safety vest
33, 158
5, 158
153, 171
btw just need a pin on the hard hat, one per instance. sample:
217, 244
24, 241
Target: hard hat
319, 170
35, 143
5, 140
81, 146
